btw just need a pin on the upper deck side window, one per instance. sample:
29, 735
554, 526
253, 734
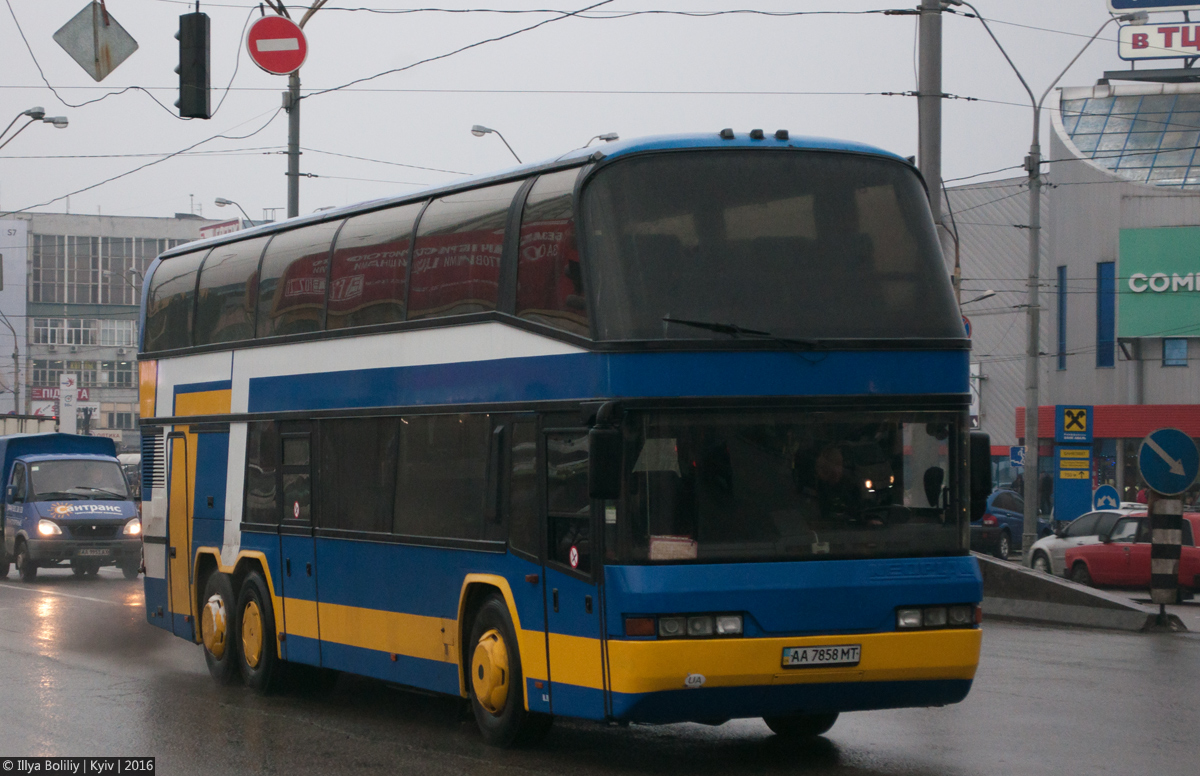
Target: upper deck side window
549, 278
171, 302
368, 280
291, 286
456, 263
796, 243
225, 305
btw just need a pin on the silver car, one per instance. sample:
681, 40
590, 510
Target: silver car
1049, 554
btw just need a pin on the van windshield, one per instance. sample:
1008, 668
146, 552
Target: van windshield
77, 479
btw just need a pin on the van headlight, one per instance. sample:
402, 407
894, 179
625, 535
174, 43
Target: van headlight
133, 527
48, 528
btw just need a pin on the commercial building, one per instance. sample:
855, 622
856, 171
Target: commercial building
76, 310
1120, 293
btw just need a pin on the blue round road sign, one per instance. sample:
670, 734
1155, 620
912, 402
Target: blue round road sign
1106, 497
1168, 461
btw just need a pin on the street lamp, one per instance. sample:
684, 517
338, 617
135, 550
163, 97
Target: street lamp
985, 295
37, 113
222, 202
479, 131
1033, 166
607, 137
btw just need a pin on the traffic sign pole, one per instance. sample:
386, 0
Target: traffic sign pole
1168, 462
277, 45
292, 96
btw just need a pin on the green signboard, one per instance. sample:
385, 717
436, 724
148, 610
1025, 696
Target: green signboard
1158, 285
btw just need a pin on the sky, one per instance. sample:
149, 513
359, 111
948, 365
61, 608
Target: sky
548, 90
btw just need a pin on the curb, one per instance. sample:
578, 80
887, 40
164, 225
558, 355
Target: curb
1018, 593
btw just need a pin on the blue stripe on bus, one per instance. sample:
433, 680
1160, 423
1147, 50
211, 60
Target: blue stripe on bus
798, 598
721, 703
214, 385
413, 671
587, 375
156, 601
571, 700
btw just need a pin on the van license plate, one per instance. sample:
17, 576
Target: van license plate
92, 552
813, 657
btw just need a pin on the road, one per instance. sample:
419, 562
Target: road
85, 675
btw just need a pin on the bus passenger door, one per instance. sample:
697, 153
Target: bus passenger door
297, 547
182, 447
572, 568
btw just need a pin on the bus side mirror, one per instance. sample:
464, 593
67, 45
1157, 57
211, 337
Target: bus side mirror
604, 462
980, 461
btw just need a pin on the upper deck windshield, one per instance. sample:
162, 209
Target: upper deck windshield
77, 479
720, 487
801, 244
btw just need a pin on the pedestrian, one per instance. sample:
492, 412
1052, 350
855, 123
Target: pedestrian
1046, 493
1018, 484
1142, 496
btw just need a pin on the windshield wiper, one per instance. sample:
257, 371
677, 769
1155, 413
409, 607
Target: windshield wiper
735, 331
112, 493
49, 494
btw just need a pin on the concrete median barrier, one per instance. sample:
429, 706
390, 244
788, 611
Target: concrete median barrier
1013, 592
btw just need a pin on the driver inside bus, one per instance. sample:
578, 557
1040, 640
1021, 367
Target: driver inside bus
825, 482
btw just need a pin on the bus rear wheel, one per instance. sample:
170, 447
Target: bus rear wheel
497, 684
258, 659
218, 629
800, 726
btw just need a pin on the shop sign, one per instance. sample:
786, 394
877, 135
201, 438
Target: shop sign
1153, 6
51, 394
1158, 286
1158, 41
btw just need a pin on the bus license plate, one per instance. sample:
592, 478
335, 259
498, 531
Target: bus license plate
832, 655
92, 552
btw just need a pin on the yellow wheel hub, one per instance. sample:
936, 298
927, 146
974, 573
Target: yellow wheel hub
489, 671
252, 634
212, 626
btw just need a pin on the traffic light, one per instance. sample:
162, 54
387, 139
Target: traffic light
193, 102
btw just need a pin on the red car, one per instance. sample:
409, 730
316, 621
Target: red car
1122, 558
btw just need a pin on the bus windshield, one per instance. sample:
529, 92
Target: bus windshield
799, 244
77, 479
721, 487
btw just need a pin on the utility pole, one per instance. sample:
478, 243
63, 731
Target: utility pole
16, 364
292, 105
929, 106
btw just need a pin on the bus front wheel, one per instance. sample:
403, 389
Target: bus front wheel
800, 726
218, 628
496, 683
257, 657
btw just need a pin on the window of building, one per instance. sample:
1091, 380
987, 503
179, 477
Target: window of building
117, 374
1106, 318
115, 333
358, 473
370, 268
48, 331
120, 420
442, 476
456, 263
83, 270
549, 280
1062, 317
82, 331
291, 286
225, 305
48, 270
1175, 351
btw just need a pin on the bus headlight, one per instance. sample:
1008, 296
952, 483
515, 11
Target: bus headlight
729, 624
672, 627
48, 528
133, 527
908, 618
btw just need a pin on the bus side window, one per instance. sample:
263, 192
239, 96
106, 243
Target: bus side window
367, 283
224, 309
262, 468
357, 473
170, 303
441, 478
549, 279
456, 263
291, 284
522, 505
568, 508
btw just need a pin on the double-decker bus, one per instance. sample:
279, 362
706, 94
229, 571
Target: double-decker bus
672, 430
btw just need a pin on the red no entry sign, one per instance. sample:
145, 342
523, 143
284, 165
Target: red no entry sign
277, 45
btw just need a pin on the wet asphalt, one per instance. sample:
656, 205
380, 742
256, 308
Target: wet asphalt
85, 675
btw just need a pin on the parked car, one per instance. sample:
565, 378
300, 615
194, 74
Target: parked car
999, 530
1122, 557
1049, 553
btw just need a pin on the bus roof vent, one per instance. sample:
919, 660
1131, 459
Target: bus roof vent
727, 134
756, 134
781, 134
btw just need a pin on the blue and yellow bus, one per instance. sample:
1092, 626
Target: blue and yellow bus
672, 430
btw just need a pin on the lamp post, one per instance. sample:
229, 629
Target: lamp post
35, 114
479, 131
16, 364
222, 202
1033, 166
607, 137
